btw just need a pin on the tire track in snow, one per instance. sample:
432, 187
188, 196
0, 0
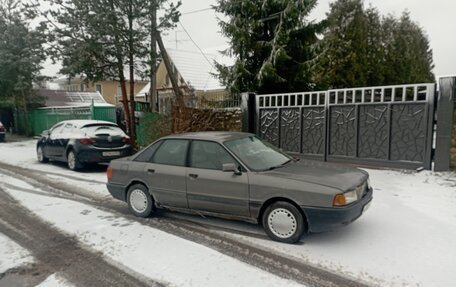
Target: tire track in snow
205, 234
55, 251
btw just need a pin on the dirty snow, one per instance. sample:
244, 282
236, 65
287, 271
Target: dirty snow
54, 281
153, 253
12, 255
406, 238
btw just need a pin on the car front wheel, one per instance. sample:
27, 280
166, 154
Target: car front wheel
139, 200
283, 222
40, 155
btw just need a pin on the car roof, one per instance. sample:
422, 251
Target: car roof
218, 136
82, 123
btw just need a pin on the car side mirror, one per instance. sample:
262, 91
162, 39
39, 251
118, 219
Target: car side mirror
46, 133
231, 167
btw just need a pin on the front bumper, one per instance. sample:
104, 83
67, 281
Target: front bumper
321, 219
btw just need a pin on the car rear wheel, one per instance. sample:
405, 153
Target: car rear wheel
40, 155
283, 222
73, 162
139, 200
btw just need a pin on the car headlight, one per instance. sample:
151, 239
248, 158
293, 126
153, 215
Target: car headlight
345, 198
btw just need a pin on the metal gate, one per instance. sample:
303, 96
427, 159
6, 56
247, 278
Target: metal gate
385, 126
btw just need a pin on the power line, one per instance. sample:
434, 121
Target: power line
193, 41
197, 11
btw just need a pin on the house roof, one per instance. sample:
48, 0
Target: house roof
196, 69
60, 98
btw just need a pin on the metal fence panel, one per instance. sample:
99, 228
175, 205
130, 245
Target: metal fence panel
389, 126
44, 118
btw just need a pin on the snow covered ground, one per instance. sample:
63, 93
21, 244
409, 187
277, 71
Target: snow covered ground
406, 238
155, 254
12, 255
55, 281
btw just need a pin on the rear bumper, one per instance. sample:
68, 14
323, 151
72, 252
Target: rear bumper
93, 155
326, 219
117, 191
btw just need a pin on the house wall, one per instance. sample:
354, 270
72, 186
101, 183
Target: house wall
109, 89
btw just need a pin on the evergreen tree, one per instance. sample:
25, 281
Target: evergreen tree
375, 49
273, 44
408, 57
345, 61
21, 57
363, 49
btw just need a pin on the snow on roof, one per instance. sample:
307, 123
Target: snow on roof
60, 98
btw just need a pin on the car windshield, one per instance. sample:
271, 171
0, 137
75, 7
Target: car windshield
256, 154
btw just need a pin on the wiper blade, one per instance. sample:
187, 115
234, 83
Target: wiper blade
277, 166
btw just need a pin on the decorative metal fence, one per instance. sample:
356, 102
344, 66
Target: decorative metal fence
390, 125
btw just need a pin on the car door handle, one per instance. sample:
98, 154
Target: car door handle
193, 176
151, 170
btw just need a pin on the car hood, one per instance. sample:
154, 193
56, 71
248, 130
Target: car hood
338, 177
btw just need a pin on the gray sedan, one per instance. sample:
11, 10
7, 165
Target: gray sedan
239, 176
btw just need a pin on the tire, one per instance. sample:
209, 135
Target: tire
40, 155
283, 222
139, 200
73, 162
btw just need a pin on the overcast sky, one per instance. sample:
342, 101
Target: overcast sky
435, 17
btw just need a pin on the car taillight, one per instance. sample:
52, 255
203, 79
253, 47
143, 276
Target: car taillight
2, 128
87, 141
109, 173
126, 140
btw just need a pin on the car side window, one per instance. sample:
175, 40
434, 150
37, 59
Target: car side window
68, 128
56, 130
146, 155
209, 155
171, 152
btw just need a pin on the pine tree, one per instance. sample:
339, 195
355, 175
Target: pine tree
408, 56
375, 71
345, 61
21, 57
273, 44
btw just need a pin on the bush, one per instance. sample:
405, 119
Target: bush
152, 126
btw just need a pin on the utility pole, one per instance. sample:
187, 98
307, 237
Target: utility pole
171, 75
153, 56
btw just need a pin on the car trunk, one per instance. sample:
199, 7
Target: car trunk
106, 136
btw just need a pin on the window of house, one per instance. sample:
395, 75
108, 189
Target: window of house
99, 88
